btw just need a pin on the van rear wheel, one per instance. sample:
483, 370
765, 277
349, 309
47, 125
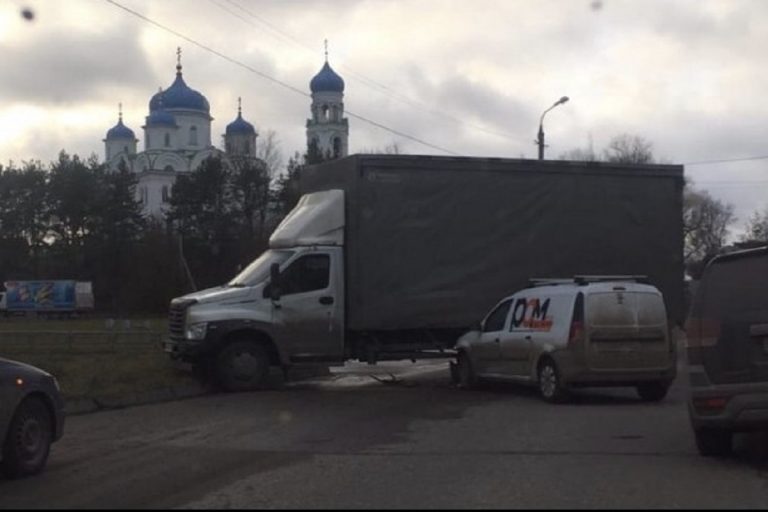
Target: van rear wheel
653, 391
714, 443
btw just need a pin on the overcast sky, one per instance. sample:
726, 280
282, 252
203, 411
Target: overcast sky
469, 77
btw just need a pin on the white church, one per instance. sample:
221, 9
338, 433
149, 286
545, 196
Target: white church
177, 135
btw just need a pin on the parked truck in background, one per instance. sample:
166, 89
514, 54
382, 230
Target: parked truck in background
391, 257
47, 297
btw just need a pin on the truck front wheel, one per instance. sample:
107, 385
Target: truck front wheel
242, 366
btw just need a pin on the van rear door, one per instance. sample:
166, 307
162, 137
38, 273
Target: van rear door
733, 311
627, 330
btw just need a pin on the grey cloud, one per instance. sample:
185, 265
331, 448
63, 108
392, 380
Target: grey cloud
64, 67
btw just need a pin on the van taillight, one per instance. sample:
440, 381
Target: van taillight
577, 320
577, 332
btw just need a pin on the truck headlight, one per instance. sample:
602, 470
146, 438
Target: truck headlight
196, 331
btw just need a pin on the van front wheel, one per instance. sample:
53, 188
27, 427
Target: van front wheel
653, 392
550, 387
467, 379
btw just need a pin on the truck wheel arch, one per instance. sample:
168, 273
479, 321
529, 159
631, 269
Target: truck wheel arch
253, 336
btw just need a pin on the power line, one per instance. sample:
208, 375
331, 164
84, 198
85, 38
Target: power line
383, 89
726, 160
270, 78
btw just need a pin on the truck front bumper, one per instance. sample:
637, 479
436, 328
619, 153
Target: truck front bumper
185, 350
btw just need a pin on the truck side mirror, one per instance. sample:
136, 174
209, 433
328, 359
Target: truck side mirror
274, 284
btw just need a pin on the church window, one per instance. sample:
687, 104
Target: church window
168, 168
125, 148
325, 112
144, 195
193, 136
166, 194
336, 147
167, 140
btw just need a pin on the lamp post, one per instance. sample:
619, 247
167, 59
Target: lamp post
540, 140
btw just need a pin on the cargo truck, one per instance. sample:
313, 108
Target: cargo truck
46, 297
390, 257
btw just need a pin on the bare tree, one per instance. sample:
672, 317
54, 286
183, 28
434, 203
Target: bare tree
629, 149
581, 155
622, 149
268, 150
391, 149
757, 227
705, 227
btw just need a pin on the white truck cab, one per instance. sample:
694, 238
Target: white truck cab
292, 293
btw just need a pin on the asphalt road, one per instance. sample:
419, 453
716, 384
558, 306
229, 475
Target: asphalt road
352, 441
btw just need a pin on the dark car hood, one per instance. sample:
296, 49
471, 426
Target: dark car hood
6, 365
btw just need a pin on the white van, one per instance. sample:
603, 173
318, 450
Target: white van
566, 333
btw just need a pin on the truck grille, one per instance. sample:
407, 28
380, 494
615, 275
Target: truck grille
176, 317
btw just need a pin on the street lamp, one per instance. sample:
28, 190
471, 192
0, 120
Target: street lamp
540, 140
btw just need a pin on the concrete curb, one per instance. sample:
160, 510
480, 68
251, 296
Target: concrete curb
86, 405
78, 406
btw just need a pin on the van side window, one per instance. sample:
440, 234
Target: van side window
306, 274
495, 321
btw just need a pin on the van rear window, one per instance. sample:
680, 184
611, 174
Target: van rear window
625, 308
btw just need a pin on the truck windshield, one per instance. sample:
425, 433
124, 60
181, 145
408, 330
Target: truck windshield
257, 271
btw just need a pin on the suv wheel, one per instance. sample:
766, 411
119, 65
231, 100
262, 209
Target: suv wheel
653, 391
242, 366
714, 443
29, 439
550, 388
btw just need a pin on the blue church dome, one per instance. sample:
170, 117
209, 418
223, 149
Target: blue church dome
120, 131
327, 81
240, 127
179, 95
161, 117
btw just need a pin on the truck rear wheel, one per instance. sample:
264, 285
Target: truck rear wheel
242, 366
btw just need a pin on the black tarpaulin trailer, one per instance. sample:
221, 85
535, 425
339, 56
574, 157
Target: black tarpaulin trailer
434, 242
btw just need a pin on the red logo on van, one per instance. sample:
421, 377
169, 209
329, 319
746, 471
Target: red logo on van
531, 314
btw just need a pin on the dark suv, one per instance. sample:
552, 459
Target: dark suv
728, 350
